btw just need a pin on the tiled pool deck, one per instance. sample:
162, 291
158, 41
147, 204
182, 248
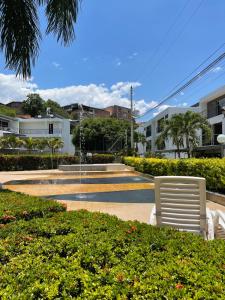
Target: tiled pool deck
125, 194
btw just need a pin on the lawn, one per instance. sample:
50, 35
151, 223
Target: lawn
83, 255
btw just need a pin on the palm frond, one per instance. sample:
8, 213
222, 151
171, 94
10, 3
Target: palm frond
62, 15
19, 34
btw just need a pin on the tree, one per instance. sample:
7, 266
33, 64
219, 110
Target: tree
41, 143
102, 134
34, 105
183, 130
20, 33
11, 142
56, 108
192, 122
172, 129
54, 144
29, 143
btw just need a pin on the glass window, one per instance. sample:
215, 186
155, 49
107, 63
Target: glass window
160, 125
50, 128
215, 107
148, 131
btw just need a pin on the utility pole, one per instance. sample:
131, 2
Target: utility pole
131, 120
126, 142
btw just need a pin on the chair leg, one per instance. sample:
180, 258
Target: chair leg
152, 219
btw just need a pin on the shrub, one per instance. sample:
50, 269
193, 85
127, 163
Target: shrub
101, 159
212, 169
15, 206
34, 162
84, 255
45, 162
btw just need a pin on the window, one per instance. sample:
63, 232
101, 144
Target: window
148, 131
4, 124
215, 107
50, 128
160, 125
217, 129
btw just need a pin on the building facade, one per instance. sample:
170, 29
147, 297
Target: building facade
91, 112
40, 127
212, 107
153, 128
119, 112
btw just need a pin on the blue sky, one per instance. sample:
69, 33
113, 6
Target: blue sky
154, 44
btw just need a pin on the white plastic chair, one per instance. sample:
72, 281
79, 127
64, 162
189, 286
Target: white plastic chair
180, 202
219, 224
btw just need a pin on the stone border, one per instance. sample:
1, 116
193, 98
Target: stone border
216, 197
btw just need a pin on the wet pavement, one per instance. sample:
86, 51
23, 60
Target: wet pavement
128, 195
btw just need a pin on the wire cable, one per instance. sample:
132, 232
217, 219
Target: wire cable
187, 84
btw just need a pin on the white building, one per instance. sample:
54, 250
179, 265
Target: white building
153, 128
212, 106
40, 127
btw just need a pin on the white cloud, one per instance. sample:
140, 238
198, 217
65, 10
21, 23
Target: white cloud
160, 109
56, 65
217, 69
12, 88
133, 55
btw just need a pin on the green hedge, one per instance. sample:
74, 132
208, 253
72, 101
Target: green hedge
82, 255
15, 206
101, 159
213, 169
45, 162
34, 162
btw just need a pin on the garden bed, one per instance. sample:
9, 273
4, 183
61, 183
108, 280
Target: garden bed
15, 206
85, 255
212, 169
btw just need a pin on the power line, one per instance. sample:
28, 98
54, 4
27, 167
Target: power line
187, 84
208, 80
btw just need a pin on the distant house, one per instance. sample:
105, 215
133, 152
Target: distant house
91, 112
119, 112
40, 127
152, 129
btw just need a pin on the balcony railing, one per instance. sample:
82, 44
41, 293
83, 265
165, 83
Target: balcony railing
212, 142
5, 128
40, 131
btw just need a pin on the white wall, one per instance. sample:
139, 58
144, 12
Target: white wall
40, 128
170, 111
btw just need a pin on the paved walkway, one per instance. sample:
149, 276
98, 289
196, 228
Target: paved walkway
124, 194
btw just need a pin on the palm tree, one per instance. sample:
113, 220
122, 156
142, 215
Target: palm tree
29, 143
20, 33
41, 144
192, 122
172, 129
54, 144
12, 142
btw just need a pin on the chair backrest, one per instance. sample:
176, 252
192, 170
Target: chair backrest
181, 203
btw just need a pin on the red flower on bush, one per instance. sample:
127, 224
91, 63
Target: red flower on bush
179, 286
8, 218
